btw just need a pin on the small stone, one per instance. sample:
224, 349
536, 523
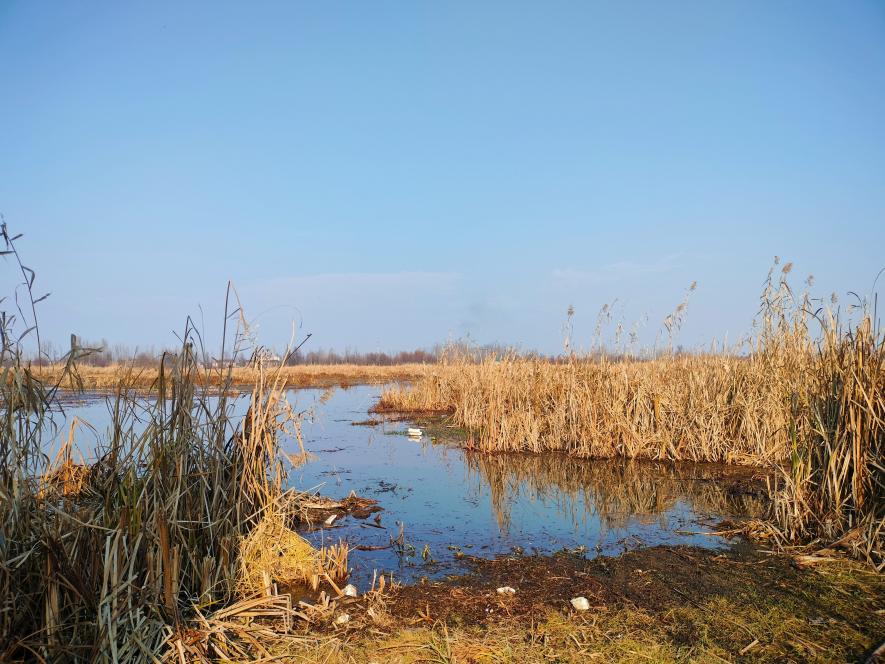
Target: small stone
506, 590
580, 603
350, 590
342, 619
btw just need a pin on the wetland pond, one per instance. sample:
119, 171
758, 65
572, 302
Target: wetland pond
450, 504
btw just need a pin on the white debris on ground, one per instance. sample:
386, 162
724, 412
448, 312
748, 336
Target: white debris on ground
580, 603
506, 590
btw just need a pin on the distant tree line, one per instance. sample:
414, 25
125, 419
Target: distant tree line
103, 354
377, 358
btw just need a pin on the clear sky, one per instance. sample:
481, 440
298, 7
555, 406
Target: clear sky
395, 174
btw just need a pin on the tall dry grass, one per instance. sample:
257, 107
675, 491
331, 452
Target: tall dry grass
697, 408
144, 554
803, 390
834, 488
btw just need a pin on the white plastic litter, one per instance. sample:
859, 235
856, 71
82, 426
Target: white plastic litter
350, 590
414, 432
580, 603
506, 590
342, 619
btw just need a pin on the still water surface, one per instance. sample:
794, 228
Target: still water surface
451, 500
447, 501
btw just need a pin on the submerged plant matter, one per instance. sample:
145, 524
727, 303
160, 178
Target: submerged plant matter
123, 559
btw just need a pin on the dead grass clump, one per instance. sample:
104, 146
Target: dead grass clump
272, 553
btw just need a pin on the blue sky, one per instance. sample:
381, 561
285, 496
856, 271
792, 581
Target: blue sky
390, 175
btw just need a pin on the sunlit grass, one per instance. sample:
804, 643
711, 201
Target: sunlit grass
805, 394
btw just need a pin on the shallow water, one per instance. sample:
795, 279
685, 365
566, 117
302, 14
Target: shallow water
450, 500
447, 501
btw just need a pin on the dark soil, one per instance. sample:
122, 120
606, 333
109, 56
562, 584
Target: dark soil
673, 585
656, 579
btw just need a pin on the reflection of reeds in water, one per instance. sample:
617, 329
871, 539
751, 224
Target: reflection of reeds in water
613, 490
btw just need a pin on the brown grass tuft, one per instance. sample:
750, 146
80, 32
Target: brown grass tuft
274, 553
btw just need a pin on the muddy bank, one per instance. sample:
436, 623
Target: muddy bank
656, 579
661, 603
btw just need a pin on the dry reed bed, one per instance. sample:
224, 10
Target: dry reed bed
694, 408
171, 544
161, 547
812, 403
110, 377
